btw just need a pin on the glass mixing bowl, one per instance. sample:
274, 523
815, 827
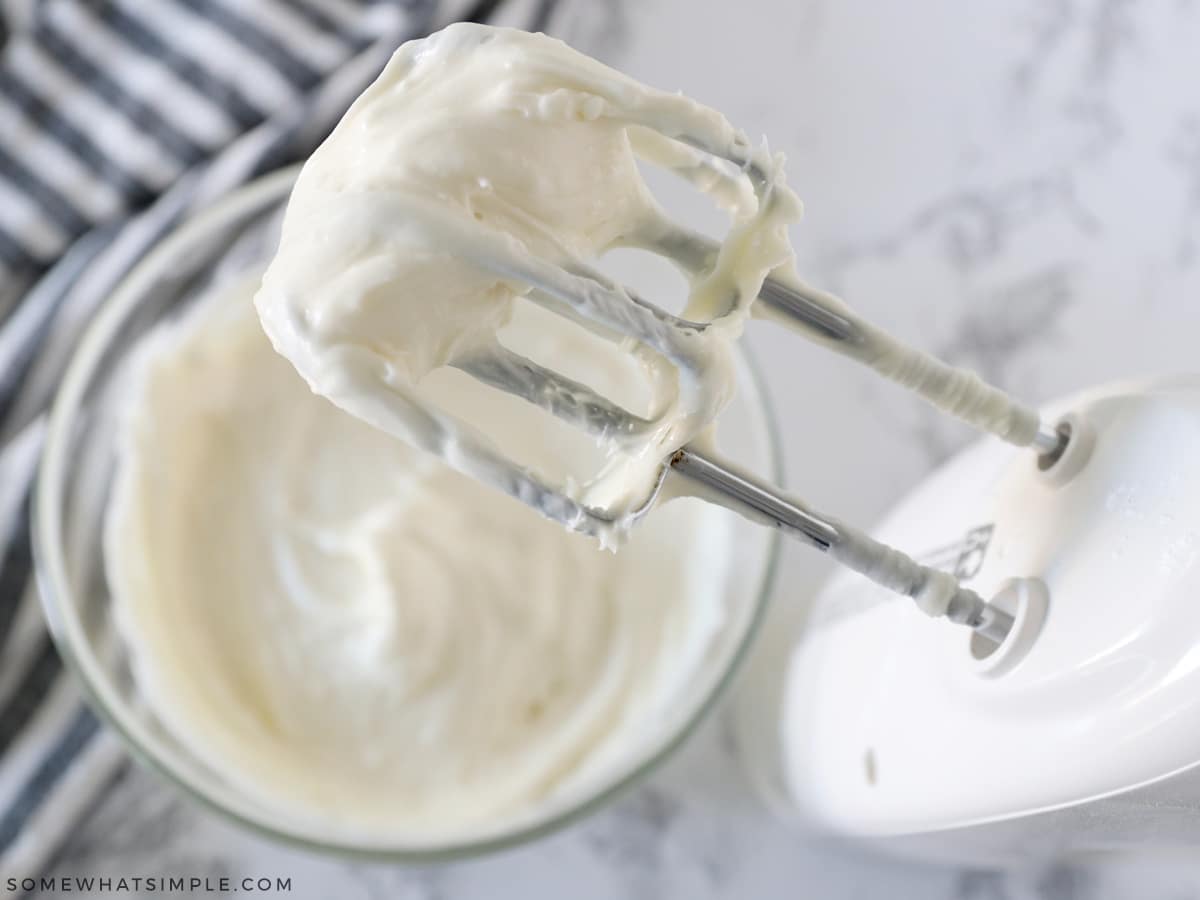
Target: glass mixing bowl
74, 485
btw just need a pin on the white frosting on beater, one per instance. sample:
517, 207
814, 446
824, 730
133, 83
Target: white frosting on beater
480, 151
363, 639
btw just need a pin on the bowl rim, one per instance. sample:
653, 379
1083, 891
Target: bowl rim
69, 636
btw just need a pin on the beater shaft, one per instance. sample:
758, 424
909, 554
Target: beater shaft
763, 503
810, 309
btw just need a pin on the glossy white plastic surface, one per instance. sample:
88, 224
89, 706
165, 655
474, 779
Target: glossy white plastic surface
892, 729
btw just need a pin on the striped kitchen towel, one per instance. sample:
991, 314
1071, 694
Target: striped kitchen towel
118, 118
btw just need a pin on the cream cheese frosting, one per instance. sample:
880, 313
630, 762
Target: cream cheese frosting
479, 156
363, 639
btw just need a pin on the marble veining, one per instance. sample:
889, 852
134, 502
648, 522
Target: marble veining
1015, 186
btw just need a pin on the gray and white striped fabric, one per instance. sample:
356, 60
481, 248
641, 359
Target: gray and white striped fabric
118, 118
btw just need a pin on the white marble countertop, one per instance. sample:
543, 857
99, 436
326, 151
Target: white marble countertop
1015, 186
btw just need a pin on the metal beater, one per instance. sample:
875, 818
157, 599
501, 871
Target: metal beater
590, 298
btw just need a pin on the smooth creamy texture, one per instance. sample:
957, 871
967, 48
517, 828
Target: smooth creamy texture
478, 155
358, 635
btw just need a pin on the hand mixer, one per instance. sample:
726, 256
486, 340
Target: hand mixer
590, 298
1072, 701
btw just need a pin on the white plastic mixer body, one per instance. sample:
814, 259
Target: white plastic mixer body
1082, 732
